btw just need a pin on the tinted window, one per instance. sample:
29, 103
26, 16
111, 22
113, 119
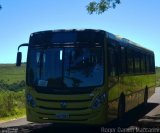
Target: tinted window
147, 63
143, 63
137, 62
130, 60
123, 60
66, 67
112, 59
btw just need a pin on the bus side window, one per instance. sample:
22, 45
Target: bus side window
142, 63
130, 61
147, 63
152, 64
123, 60
112, 62
137, 62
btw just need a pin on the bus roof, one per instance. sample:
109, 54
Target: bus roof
69, 30
126, 42
118, 38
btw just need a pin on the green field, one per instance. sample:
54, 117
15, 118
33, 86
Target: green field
12, 85
12, 74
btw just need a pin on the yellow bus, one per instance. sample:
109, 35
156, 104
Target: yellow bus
85, 76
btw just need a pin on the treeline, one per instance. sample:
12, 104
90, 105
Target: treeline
18, 86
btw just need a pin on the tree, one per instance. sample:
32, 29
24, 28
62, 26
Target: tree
101, 6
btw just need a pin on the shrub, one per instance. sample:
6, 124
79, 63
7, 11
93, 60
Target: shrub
11, 103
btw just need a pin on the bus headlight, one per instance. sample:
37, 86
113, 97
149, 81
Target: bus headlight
99, 101
30, 100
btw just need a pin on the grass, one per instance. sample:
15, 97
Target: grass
12, 74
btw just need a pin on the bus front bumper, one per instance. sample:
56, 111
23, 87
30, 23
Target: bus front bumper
98, 117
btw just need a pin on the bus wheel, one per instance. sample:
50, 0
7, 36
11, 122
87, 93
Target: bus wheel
145, 95
121, 106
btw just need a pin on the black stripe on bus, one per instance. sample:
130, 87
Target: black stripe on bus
69, 114
69, 101
65, 119
63, 108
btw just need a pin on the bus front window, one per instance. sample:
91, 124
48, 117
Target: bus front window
66, 67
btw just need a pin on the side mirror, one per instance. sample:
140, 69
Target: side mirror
19, 58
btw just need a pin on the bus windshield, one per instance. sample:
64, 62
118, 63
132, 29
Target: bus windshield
69, 67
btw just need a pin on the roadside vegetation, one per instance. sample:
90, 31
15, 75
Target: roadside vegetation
12, 85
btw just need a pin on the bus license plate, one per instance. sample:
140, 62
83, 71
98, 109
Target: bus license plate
62, 116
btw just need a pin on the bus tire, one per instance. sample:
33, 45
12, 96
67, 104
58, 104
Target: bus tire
145, 95
121, 106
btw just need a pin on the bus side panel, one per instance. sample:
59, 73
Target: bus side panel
134, 88
113, 97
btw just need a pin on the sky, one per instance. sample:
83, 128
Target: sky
136, 20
